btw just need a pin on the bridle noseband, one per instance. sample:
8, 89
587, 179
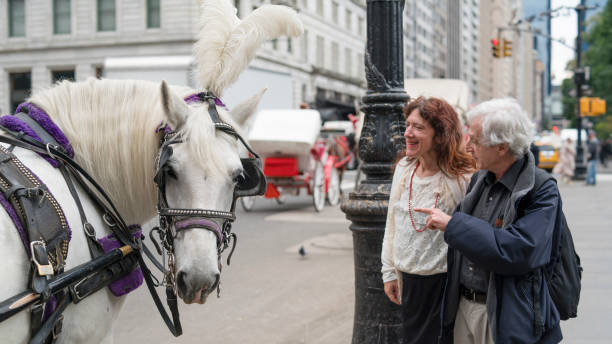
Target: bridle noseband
172, 221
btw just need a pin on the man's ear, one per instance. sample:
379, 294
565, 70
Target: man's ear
502, 149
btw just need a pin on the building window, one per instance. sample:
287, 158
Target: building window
16, 12
153, 14
289, 45
99, 72
335, 12
349, 19
20, 85
360, 26
360, 66
106, 15
61, 17
320, 8
275, 44
59, 75
305, 46
320, 52
348, 62
335, 58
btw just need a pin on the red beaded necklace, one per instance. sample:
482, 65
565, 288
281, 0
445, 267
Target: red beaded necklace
410, 200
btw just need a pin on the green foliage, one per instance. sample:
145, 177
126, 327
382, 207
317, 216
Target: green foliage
598, 56
603, 128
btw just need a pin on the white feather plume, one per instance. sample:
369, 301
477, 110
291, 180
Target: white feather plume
226, 44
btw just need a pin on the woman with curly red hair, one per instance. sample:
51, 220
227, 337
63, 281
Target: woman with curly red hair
433, 173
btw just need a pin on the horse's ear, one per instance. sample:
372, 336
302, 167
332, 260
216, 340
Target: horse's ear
241, 112
175, 108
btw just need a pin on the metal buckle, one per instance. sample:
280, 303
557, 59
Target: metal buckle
109, 220
43, 270
76, 294
89, 230
57, 328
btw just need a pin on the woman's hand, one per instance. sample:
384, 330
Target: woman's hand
437, 219
392, 291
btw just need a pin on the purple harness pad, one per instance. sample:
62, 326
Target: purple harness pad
11, 211
130, 281
37, 114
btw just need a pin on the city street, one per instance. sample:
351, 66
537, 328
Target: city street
270, 294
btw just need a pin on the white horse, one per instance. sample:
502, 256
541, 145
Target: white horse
112, 128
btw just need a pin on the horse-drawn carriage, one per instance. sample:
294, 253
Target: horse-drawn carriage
299, 154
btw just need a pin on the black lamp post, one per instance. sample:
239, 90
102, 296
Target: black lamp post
579, 79
376, 318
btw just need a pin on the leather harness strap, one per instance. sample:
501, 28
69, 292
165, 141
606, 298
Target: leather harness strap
112, 217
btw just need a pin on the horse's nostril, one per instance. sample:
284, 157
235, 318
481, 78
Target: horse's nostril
180, 282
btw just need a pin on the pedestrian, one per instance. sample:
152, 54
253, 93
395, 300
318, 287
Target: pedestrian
499, 239
593, 148
433, 173
605, 152
567, 156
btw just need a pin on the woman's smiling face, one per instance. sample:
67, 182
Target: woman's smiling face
419, 136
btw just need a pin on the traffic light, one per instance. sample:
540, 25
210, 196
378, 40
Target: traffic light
495, 48
592, 106
507, 48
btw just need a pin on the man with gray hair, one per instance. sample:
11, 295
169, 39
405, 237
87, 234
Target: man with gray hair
500, 237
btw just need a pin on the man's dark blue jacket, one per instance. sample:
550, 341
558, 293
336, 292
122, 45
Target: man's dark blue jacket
513, 253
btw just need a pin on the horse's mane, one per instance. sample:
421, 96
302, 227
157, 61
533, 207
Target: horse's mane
111, 125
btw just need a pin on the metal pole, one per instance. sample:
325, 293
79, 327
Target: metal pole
376, 319
580, 167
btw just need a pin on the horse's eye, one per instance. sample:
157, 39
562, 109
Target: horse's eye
240, 178
171, 172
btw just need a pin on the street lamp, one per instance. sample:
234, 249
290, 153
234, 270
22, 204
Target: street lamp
376, 319
579, 76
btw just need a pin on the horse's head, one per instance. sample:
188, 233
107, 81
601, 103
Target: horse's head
200, 170
200, 173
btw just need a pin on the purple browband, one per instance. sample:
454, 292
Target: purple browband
199, 222
194, 98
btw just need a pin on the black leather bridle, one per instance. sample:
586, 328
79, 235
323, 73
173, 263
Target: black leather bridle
251, 182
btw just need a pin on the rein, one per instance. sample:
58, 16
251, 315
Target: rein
172, 221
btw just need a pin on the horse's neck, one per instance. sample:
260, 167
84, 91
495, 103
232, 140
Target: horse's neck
114, 139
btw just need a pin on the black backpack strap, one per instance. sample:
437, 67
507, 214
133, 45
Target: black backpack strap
541, 177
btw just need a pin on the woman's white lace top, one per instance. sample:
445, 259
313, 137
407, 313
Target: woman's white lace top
405, 249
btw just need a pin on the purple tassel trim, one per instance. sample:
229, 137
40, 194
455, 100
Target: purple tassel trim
195, 98
164, 128
130, 281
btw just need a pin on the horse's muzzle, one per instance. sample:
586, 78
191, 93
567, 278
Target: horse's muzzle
195, 287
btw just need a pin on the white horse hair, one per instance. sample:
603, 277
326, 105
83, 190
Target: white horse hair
111, 126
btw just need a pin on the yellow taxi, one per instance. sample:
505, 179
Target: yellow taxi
549, 156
